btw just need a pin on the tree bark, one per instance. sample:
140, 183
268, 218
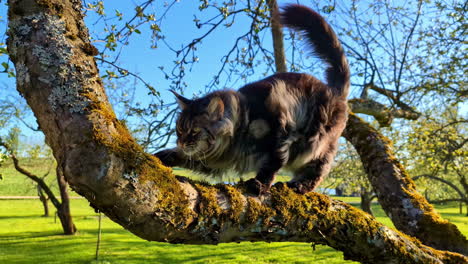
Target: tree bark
57, 75
380, 112
397, 194
366, 201
44, 200
63, 211
277, 36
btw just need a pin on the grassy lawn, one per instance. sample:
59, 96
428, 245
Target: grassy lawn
25, 237
14, 183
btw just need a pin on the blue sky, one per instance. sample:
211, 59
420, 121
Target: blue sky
178, 27
138, 57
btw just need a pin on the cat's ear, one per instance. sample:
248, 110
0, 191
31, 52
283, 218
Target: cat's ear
182, 101
216, 106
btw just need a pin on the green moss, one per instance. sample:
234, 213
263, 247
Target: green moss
209, 207
236, 201
45, 3
112, 133
257, 211
54, 7
90, 49
290, 206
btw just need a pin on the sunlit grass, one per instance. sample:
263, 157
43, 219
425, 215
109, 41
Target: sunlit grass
25, 237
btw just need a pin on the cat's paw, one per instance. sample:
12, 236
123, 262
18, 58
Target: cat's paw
255, 187
300, 187
166, 156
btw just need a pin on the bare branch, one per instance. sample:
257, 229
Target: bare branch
380, 112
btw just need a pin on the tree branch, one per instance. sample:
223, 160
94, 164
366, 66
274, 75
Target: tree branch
277, 36
397, 193
40, 182
453, 186
380, 112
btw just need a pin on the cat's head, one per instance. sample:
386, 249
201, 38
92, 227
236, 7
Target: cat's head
198, 124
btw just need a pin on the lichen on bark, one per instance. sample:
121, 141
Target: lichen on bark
406, 207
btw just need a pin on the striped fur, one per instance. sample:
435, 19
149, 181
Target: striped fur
288, 120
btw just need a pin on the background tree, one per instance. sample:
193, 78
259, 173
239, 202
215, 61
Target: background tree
63, 206
349, 176
440, 156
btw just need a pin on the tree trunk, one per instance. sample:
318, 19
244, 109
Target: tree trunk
397, 194
63, 211
366, 201
277, 36
44, 200
338, 191
57, 75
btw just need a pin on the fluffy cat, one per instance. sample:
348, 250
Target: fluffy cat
288, 120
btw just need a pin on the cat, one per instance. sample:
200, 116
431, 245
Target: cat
288, 120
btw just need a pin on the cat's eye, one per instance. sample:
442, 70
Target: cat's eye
196, 130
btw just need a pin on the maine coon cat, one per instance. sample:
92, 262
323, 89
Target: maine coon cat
288, 120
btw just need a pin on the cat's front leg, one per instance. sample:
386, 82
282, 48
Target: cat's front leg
175, 158
266, 175
171, 157
261, 183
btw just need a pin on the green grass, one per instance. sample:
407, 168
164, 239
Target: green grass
14, 183
25, 237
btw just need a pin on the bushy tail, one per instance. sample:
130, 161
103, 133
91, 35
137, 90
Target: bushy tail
324, 41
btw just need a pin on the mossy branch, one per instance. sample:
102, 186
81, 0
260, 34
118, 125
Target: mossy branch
396, 191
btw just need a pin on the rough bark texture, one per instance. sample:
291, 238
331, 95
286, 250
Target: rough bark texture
409, 211
57, 75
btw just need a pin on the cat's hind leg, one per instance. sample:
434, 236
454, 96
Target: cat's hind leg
309, 176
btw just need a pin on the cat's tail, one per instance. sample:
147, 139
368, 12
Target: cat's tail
324, 41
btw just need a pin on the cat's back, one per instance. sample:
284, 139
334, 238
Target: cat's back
285, 96
301, 82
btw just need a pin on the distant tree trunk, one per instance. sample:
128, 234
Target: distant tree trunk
63, 211
366, 200
44, 200
277, 36
339, 191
